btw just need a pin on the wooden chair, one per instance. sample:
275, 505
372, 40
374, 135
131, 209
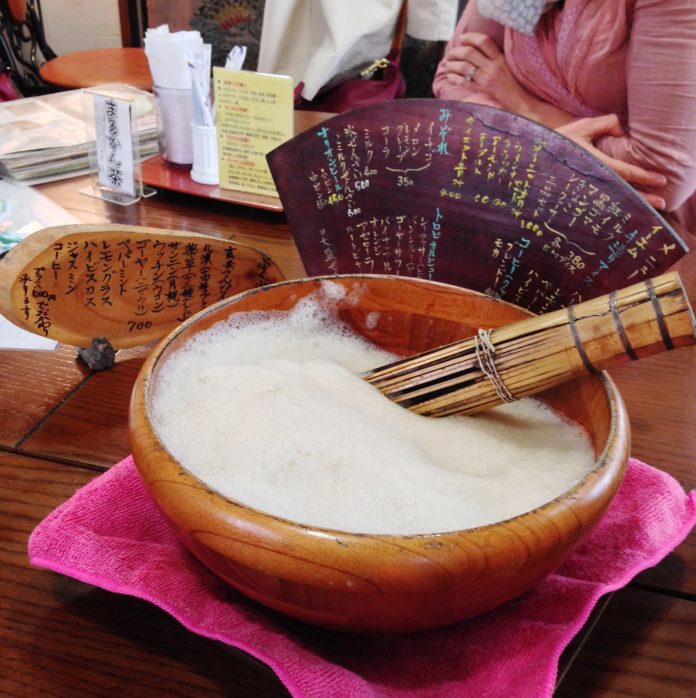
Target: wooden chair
36, 69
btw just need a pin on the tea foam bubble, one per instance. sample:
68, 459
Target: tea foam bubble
268, 409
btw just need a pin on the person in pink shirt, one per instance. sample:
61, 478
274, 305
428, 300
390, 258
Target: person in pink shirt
616, 76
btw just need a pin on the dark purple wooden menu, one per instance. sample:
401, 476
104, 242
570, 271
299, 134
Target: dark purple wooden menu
468, 195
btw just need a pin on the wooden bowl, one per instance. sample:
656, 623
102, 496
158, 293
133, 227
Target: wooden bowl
382, 583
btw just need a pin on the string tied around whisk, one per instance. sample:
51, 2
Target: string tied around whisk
485, 353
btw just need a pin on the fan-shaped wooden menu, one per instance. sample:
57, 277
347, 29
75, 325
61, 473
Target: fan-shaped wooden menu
468, 195
126, 284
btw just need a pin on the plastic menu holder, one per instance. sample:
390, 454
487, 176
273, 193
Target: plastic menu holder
111, 115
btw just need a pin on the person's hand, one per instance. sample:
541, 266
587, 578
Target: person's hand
586, 131
476, 60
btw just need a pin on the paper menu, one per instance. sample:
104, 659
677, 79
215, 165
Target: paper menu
49, 137
113, 124
23, 211
254, 114
13, 337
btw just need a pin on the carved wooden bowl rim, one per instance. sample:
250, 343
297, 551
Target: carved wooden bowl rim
206, 519
183, 330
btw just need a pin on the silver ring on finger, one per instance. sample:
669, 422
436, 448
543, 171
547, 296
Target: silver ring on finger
471, 73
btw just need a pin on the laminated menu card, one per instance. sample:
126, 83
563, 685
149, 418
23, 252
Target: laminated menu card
254, 115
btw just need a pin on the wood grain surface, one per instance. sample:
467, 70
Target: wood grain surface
33, 383
126, 284
62, 638
634, 651
94, 67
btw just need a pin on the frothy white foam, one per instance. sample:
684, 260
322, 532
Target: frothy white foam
267, 409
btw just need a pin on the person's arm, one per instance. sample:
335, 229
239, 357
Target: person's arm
450, 78
661, 93
478, 42
586, 132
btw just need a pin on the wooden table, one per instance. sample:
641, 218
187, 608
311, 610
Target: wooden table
127, 66
61, 426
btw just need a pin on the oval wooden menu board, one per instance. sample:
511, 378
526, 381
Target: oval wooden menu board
127, 284
468, 195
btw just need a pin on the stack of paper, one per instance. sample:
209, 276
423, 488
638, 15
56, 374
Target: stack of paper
23, 211
49, 137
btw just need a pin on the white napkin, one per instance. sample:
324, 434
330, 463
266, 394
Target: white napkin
166, 54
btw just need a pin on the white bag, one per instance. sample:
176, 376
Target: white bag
318, 42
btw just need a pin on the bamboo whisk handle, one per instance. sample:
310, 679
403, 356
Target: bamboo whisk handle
529, 356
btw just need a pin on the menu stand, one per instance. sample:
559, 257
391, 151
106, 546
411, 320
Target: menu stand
114, 149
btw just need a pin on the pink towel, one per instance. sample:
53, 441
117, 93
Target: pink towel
111, 534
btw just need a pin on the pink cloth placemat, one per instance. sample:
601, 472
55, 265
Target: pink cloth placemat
110, 534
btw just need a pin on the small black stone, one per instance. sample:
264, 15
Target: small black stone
100, 356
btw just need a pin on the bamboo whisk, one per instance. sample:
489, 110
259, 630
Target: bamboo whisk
526, 357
